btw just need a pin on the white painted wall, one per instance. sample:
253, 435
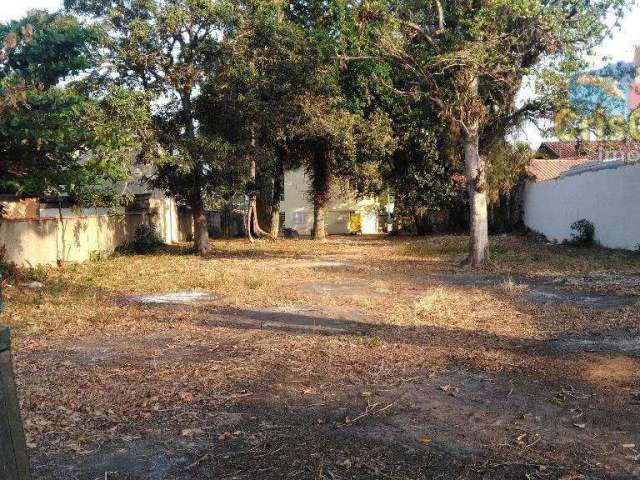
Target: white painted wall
298, 210
607, 195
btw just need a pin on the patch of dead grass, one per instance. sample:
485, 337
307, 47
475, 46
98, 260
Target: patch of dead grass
188, 365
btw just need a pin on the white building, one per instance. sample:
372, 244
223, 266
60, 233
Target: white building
345, 214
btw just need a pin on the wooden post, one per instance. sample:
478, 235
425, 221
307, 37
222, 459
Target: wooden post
14, 463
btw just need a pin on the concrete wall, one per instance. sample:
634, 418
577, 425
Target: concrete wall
77, 238
298, 209
164, 212
607, 194
74, 239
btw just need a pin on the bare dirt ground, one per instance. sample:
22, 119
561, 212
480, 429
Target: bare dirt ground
353, 358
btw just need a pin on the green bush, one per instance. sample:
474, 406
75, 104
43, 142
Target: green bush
146, 239
37, 273
583, 233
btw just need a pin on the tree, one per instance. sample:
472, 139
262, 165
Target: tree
254, 95
469, 58
420, 173
167, 48
67, 139
343, 132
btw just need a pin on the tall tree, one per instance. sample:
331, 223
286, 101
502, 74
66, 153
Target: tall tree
254, 95
469, 59
64, 139
167, 47
343, 132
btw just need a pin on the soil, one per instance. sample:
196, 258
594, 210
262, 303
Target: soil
332, 384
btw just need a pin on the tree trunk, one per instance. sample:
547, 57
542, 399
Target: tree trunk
200, 230
251, 223
278, 187
476, 184
275, 221
200, 224
319, 232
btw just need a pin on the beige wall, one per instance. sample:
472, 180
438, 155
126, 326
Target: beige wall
47, 241
74, 239
298, 209
164, 213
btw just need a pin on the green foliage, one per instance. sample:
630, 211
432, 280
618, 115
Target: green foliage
442, 46
146, 240
583, 233
506, 167
45, 48
167, 48
62, 139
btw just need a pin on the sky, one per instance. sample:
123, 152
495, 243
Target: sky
620, 47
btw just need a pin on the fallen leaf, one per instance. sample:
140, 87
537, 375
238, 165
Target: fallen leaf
580, 425
520, 439
424, 439
187, 432
628, 445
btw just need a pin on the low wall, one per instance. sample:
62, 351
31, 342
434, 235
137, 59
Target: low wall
48, 241
77, 238
608, 195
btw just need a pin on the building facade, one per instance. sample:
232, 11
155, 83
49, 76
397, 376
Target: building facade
345, 213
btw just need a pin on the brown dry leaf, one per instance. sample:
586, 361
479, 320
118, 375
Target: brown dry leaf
187, 432
424, 439
520, 439
628, 445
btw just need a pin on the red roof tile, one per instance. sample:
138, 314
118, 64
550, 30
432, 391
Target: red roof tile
542, 169
592, 150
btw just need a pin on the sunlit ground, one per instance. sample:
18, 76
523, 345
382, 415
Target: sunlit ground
351, 358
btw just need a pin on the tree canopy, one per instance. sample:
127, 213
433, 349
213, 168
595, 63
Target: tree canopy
60, 137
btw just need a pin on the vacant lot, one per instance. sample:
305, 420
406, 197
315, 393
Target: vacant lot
354, 358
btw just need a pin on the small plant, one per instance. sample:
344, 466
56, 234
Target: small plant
582, 233
146, 239
35, 273
513, 287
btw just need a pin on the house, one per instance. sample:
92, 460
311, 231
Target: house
345, 213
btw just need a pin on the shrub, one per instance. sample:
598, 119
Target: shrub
582, 233
145, 240
37, 273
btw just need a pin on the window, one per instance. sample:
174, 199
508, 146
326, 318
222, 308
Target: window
300, 218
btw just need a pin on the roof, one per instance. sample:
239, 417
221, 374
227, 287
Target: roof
591, 150
542, 169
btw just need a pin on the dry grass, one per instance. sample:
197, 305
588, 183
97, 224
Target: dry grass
93, 366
